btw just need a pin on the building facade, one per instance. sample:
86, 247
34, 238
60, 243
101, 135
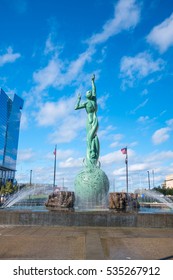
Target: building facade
169, 181
10, 115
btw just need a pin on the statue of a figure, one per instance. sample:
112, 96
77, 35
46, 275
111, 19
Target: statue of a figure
92, 124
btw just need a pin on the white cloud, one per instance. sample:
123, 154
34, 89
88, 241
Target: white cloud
109, 158
116, 138
25, 155
143, 119
24, 121
161, 35
50, 46
102, 101
144, 92
67, 123
115, 156
141, 105
48, 75
68, 129
106, 132
58, 73
126, 16
139, 167
170, 122
71, 163
9, 57
51, 112
114, 144
138, 67
160, 156
161, 135
133, 144
154, 79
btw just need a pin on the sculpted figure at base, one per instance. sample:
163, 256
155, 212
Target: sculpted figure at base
121, 201
90, 105
61, 200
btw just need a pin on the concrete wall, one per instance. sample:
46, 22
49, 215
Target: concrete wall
99, 219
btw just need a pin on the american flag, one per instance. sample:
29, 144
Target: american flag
54, 152
124, 151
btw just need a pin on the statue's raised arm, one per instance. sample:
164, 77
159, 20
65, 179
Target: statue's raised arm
93, 86
78, 104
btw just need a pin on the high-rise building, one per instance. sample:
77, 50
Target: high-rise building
10, 114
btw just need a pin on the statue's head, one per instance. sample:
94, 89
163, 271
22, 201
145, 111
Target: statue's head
89, 94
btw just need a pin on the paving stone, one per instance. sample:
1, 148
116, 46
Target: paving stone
85, 243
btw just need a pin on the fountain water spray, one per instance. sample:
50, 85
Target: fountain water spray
158, 196
24, 192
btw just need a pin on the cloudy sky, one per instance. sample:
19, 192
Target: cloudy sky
48, 53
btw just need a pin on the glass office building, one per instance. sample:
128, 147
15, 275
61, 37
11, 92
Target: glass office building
10, 114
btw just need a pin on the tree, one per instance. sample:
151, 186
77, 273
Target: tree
9, 187
2, 191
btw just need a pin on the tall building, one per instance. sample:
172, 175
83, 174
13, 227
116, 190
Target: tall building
10, 114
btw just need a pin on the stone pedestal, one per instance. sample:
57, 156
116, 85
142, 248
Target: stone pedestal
61, 200
91, 188
117, 200
121, 201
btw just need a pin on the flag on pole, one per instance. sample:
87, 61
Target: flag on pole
54, 152
124, 151
54, 176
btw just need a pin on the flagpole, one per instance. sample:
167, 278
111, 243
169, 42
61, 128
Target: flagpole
54, 176
124, 152
127, 179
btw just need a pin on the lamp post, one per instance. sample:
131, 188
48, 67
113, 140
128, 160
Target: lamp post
124, 152
153, 178
148, 179
30, 181
54, 173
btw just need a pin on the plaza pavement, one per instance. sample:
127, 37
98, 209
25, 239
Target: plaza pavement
84, 243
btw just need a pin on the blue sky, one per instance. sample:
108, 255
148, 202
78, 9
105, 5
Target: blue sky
48, 53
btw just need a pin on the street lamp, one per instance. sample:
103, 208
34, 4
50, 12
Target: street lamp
30, 182
148, 179
153, 178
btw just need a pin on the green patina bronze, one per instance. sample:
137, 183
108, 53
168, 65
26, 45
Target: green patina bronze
92, 124
91, 184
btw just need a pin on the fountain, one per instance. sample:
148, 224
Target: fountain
90, 204
119, 213
157, 196
91, 184
26, 192
154, 199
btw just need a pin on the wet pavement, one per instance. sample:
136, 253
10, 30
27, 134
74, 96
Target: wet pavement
85, 243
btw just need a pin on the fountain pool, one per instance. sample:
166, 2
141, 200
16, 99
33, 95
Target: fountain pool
14, 212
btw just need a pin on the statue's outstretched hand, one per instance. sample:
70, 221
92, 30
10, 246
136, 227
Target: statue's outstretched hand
93, 77
79, 96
